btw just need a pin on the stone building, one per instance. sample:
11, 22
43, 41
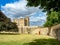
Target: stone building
25, 28
22, 21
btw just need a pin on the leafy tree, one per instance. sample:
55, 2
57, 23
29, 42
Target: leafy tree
52, 19
6, 24
47, 5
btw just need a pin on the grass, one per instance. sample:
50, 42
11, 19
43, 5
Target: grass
27, 40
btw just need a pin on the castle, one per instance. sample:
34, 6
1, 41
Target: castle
25, 28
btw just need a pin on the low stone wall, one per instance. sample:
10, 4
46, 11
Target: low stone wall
33, 30
44, 31
40, 31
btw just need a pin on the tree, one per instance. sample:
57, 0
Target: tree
52, 19
47, 5
6, 24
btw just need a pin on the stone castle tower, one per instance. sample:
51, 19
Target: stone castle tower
22, 21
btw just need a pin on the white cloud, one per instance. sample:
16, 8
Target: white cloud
34, 19
18, 9
38, 17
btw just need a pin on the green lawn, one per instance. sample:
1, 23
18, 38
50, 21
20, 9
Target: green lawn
27, 40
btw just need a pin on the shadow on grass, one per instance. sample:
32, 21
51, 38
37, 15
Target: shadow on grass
44, 42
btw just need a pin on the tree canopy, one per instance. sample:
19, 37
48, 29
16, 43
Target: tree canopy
53, 18
51, 6
47, 5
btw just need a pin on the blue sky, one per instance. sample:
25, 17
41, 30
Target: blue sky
4, 2
17, 9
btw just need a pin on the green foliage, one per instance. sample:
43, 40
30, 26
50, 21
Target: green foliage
45, 4
6, 24
53, 18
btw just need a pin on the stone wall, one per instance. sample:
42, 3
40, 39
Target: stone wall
40, 31
33, 30
55, 31
44, 31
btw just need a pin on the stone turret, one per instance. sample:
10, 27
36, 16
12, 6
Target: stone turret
22, 21
27, 21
